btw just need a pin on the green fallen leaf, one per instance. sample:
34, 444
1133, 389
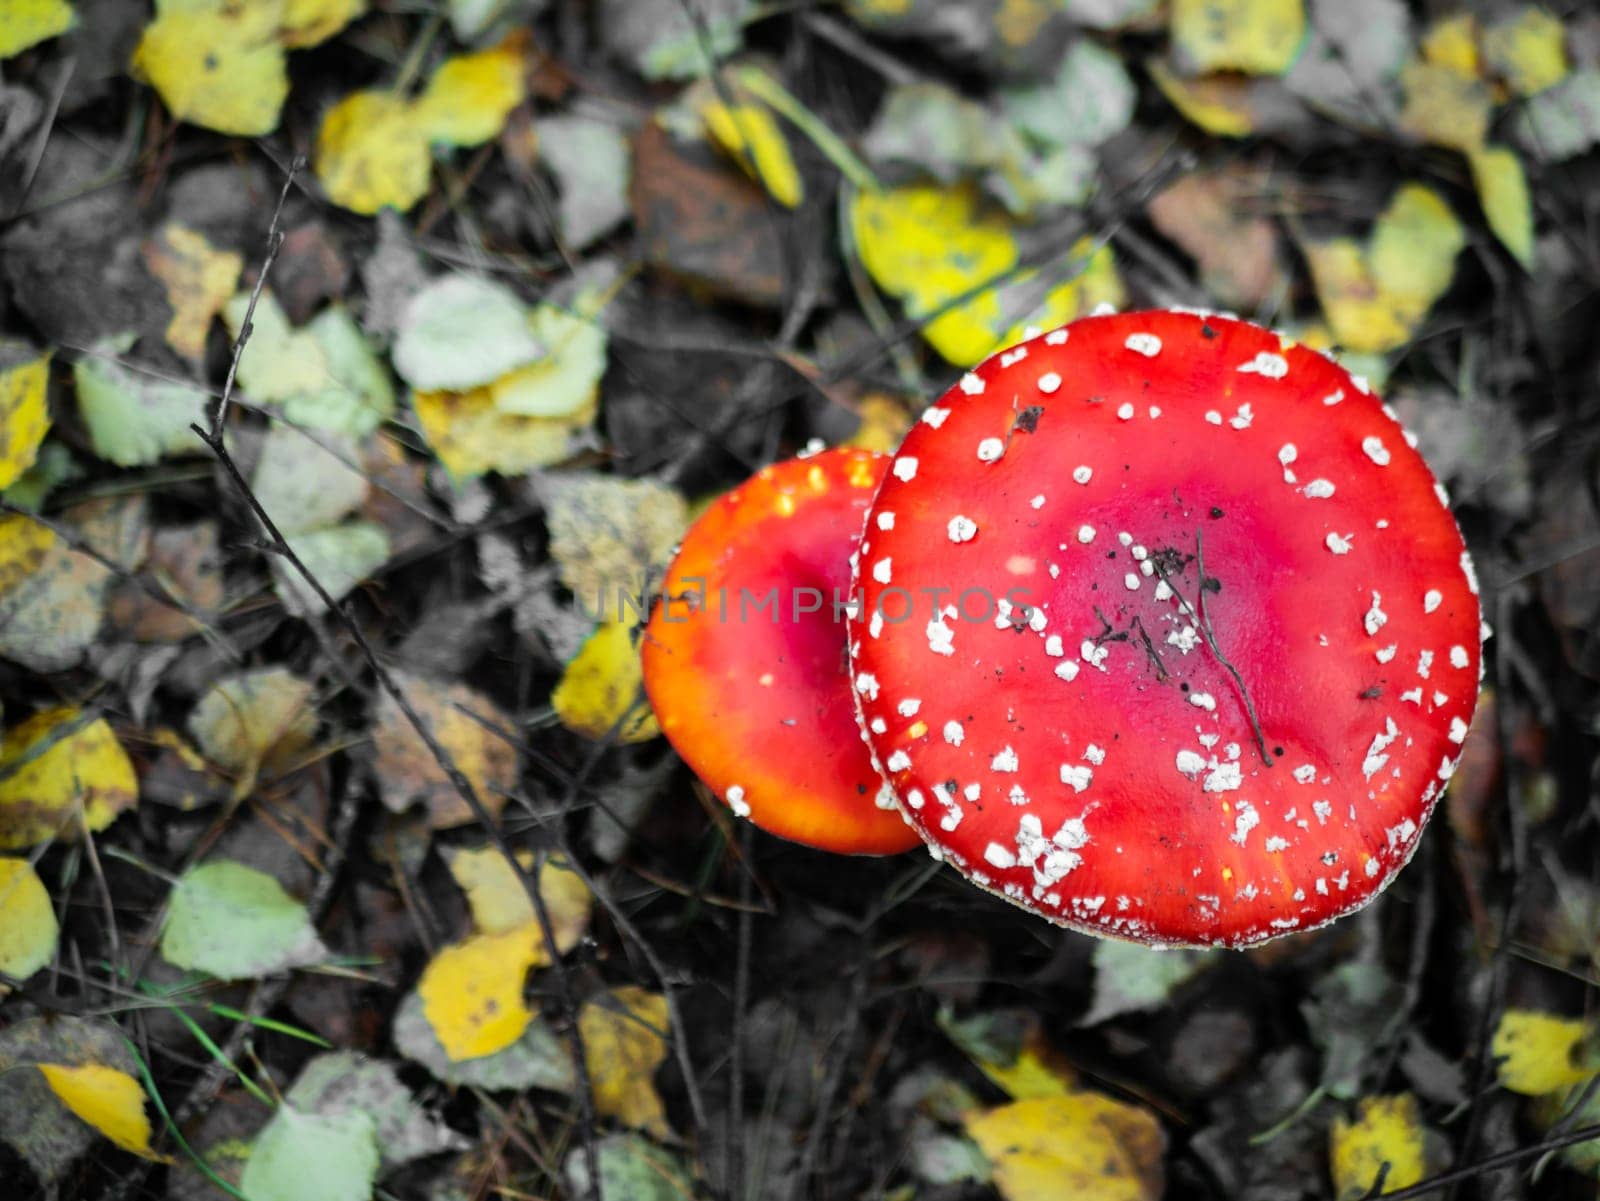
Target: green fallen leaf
237, 923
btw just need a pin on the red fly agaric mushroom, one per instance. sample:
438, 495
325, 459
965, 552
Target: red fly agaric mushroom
745, 663
1166, 632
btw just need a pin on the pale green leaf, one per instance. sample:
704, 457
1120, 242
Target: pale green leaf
237, 923
589, 157
1088, 101
313, 1157
462, 331
339, 556
134, 418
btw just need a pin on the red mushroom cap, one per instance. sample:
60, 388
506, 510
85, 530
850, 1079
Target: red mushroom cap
745, 664
1166, 631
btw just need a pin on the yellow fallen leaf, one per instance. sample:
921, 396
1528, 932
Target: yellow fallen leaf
471, 434
751, 136
1452, 42
611, 539
311, 22
1214, 104
1079, 1145
1540, 1052
369, 155
1503, 192
24, 415
1258, 37
1386, 1130
1010, 1048
470, 96
372, 151
1443, 107
1375, 295
25, 23
929, 244
884, 422
255, 721
23, 545
199, 279
28, 929
1360, 318
601, 693
1527, 49
500, 904
110, 1101
1413, 250
55, 765
472, 992
625, 1040
220, 66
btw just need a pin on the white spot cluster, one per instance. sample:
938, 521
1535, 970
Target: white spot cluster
990, 449
736, 801
972, 384
1267, 364
1049, 383
1375, 617
962, 529
1146, 344
934, 416
905, 468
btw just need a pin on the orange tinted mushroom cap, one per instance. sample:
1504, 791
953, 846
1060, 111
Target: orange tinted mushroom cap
745, 660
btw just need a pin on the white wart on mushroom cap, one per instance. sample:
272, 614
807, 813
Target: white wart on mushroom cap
1113, 738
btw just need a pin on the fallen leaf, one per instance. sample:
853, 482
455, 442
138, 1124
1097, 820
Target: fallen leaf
751, 136
134, 418
1078, 1145
24, 413
33, 1119
1503, 192
313, 1157
1010, 1048
1564, 121
372, 150
1452, 42
28, 928
591, 161
565, 379
108, 1099
1443, 107
312, 22
344, 1082
338, 556
1258, 37
1354, 51
199, 278
500, 903
472, 435
61, 772
25, 23
610, 539
661, 39
475, 732
625, 1038
187, 559
472, 992
215, 64
1375, 295
631, 1168
929, 245
1527, 49
467, 101
700, 220
536, 1059
236, 923
463, 331
1539, 1052
1385, 1131
255, 721
1207, 214
1088, 100
1131, 978
50, 617
601, 691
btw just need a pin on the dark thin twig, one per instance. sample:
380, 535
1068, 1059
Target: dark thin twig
464, 788
219, 419
1493, 1163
